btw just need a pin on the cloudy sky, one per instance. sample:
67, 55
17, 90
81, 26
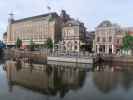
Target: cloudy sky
91, 12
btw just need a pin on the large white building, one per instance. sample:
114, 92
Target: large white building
108, 38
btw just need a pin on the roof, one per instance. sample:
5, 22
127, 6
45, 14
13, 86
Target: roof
108, 24
105, 23
90, 34
54, 14
130, 33
73, 22
129, 29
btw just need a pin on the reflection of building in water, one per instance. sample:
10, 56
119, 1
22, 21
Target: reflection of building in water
107, 79
113, 66
50, 80
127, 79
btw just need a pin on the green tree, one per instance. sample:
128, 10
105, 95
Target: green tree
49, 43
18, 43
127, 42
32, 45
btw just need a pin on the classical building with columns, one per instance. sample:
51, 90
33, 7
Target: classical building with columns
108, 38
38, 28
73, 35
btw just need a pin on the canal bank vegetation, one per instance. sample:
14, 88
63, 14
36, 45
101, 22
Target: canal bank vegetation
32, 45
49, 44
126, 55
127, 47
18, 43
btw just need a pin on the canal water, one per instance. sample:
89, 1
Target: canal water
23, 81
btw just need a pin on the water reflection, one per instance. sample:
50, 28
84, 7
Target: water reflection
108, 77
107, 81
46, 79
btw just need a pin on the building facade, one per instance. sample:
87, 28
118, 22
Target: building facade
38, 28
89, 37
129, 30
67, 33
5, 37
108, 38
73, 35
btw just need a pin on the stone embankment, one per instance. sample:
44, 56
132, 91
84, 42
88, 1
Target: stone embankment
88, 60
42, 57
27, 56
122, 59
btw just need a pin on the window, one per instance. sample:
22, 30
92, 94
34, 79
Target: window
70, 25
76, 42
118, 41
98, 39
110, 39
75, 47
104, 40
64, 48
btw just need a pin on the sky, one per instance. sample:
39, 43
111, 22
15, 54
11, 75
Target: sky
91, 12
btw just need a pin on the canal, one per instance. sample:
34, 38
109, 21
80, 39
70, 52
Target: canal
52, 82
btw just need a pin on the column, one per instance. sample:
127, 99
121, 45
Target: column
97, 48
107, 49
112, 49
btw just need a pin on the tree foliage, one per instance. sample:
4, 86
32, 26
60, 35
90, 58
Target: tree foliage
128, 42
18, 43
49, 43
31, 46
